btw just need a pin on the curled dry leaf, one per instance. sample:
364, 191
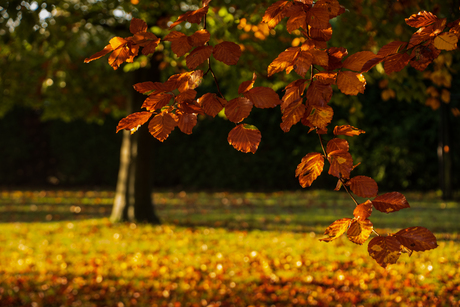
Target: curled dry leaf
359, 231
347, 130
363, 186
191, 16
385, 250
245, 138
336, 229
309, 168
133, 121
390, 202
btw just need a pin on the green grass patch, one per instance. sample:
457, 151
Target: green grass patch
58, 248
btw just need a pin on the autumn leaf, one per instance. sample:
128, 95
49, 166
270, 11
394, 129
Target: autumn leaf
396, 62
319, 93
363, 186
341, 163
263, 97
275, 13
416, 238
293, 92
347, 130
162, 125
147, 40
156, 101
227, 53
356, 61
186, 95
191, 16
421, 19
198, 56
385, 250
283, 61
320, 116
446, 41
318, 17
297, 17
336, 229
107, 49
390, 202
149, 86
238, 109
245, 138
326, 78
309, 168
179, 43
337, 144
359, 231
303, 63
351, 83
133, 121
424, 56
335, 56
292, 115
211, 104
247, 85
199, 38
186, 122
363, 211
391, 48
137, 25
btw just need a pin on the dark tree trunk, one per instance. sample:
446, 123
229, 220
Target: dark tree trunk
133, 198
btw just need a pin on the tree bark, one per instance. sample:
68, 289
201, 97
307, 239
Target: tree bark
133, 198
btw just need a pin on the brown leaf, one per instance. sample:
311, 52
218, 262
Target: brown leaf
162, 125
156, 101
179, 43
247, 85
199, 38
186, 95
318, 17
292, 115
186, 122
391, 48
351, 83
319, 93
303, 63
363, 211
107, 49
297, 17
198, 56
446, 41
363, 186
359, 231
275, 13
147, 40
336, 229
191, 16
347, 130
283, 61
326, 77
390, 202
396, 62
245, 138
335, 56
227, 53
137, 25
422, 19
238, 109
145, 87
133, 121
417, 238
309, 168
341, 163
320, 116
211, 104
293, 92
263, 97
356, 61
385, 250
337, 144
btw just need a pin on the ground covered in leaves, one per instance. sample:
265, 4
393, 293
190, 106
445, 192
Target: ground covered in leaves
58, 248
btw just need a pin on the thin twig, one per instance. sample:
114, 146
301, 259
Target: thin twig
349, 193
321, 142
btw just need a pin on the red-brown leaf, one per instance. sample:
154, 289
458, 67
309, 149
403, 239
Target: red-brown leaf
162, 125
293, 92
147, 40
422, 19
390, 202
417, 238
341, 163
191, 16
337, 144
320, 116
309, 168
179, 43
133, 121
303, 63
275, 12
356, 61
156, 101
396, 62
137, 25
263, 97
145, 87
446, 41
351, 83
292, 115
363, 186
385, 250
186, 122
107, 49
186, 95
227, 52
247, 85
245, 138
363, 211
359, 231
391, 48
319, 93
211, 104
283, 61
199, 38
198, 56
336, 229
347, 130
238, 109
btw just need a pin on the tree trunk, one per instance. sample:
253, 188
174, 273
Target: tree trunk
133, 198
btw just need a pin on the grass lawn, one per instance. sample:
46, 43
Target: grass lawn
58, 248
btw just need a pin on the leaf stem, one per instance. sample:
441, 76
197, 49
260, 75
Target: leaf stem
348, 191
321, 142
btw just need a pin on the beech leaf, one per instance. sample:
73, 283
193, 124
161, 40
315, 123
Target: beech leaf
385, 250
421, 19
162, 125
227, 53
198, 56
337, 144
336, 229
351, 83
417, 238
238, 109
133, 121
341, 163
390, 202
211, 104
263, 97
356, 61
245, 138
275, 13
292, 115
186, 122
446, 41
309, 168
363, 211
363, 186
347, 130
359, 231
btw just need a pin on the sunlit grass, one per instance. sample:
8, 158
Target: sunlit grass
215, 249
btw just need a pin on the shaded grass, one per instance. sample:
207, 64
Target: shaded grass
218, 249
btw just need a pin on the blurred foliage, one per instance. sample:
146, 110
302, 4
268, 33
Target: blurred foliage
55, 249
